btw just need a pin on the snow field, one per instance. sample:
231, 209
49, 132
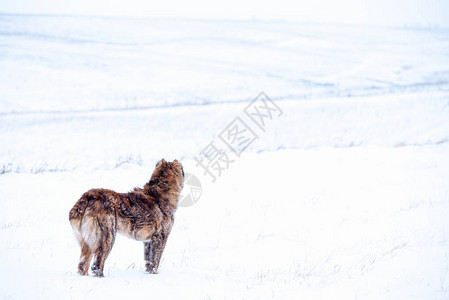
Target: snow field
345, 196
357, 223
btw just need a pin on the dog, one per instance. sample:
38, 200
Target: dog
144, 214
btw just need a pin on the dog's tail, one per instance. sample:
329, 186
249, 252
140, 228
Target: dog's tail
84, 224
77, 212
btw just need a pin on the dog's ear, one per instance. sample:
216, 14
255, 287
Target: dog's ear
162, 161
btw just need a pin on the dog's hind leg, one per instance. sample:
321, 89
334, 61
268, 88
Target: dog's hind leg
86, 252
85, 258
107, 231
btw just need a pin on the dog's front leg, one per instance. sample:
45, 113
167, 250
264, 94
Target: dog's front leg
153, 253
148, 256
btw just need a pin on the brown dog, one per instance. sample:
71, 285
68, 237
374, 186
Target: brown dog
144, 214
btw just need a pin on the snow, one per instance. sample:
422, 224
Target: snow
345, 195
427, 13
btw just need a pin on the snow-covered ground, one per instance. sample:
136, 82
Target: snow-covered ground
343, 196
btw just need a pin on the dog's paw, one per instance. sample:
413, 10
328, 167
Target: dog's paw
151, 270
97, 272
82, 273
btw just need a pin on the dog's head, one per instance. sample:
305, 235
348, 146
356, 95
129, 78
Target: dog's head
168, 175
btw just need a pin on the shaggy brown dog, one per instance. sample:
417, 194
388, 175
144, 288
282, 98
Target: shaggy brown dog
144, 214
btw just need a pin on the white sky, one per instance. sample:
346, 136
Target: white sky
378, 12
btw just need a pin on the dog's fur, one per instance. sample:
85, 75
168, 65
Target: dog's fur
144, 214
